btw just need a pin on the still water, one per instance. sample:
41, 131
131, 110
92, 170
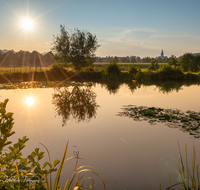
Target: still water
135, 154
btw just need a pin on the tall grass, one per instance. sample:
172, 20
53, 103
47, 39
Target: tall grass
189, 174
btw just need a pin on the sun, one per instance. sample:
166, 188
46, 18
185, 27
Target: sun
27, 24
29, 101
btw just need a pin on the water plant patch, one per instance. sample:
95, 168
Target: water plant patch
188, 121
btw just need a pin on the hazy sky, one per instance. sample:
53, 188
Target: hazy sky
123, 27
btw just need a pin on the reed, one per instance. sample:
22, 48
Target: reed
189, 175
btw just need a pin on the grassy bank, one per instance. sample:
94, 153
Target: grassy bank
98, 73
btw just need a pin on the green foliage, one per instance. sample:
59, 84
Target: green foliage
167, 72
113, 69
27, 173
57, 68
154, 66
189, 62
173, 61
139, 75
125, 59
77, 47
133, 70
192, 77
189, 177
88, 69
146, 60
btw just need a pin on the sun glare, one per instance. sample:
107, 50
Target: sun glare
29, 101
27, 24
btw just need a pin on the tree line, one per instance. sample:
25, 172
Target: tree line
131, 59
25, 58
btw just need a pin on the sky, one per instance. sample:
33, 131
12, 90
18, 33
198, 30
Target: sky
123, 27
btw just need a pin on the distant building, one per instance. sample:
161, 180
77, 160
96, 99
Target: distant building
161, 55
196, 53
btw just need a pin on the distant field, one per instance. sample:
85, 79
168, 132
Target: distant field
22, 69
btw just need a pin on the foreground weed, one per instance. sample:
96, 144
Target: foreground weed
19, 173
189, 178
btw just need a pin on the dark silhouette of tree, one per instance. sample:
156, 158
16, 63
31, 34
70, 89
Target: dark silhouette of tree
78, 104
146, 60
25, 58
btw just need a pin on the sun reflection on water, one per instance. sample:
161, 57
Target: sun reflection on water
30, 101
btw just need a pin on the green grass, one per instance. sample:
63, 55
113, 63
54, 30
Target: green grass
22, 69
189, 174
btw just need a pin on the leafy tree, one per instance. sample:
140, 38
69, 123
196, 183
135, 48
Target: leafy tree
197, 62
113, 68
125, 59
133, 70
133, 59
154, 65
188, 63
115, 59
138, 59
173, 61
77, 47
146, 60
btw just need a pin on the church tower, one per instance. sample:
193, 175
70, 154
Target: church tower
162, 54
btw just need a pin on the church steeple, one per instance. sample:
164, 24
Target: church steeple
162, 54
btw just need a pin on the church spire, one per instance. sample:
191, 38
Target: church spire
162, 54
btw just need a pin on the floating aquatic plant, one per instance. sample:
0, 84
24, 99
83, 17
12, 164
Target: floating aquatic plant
188, 121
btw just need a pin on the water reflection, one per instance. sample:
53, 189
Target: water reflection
133, 86
186, 121
76, 104
112, 86
168, 87
29, 101
163, 87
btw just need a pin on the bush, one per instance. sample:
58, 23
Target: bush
87, 69
189, 76
113, 68
154, 66
138, 76
133, 70
167, 72
57, 68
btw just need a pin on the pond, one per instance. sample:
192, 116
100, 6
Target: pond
100, 123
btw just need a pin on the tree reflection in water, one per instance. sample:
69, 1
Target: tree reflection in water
76, 104
186, 121
112, 86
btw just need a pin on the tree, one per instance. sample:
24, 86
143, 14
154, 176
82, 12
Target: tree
77, 47
133, 59
187, 62
146, 60
173, 61
154, 65
138, 59
115, 59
